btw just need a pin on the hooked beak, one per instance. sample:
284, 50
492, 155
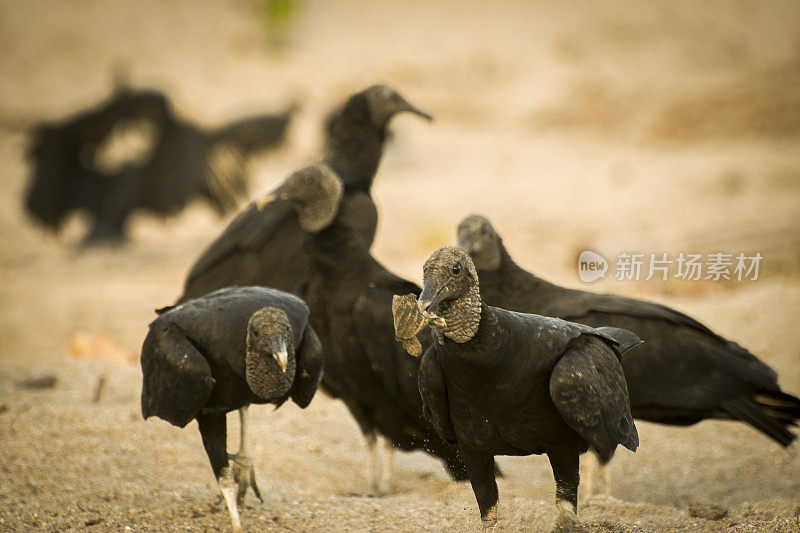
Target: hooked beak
468, 242
430, 297
406, 106
279, 352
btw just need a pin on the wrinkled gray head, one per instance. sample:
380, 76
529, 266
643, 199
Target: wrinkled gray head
477, 236
451, 291
269, 362
315, 192
384, 102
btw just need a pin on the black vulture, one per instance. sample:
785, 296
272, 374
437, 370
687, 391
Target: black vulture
184, 162
682, 374
222, 352
64, 176
497, 382
350, 297
263, 245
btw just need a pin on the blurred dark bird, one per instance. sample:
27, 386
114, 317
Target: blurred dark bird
75, 164
350, 297
498, 382
263, 244
222, 352
682, 374
64, 175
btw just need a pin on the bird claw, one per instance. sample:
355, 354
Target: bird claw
567, 522
376, 490
244, 476
409, 321
254, 486
489, 520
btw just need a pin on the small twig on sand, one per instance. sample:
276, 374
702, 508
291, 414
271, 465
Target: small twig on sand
98, 390
44, 382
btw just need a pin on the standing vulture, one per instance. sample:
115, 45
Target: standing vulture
682, 374
222, 352
182, 162
263, 244
350, 297
498, 382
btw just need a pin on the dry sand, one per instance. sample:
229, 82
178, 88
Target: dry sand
611, 126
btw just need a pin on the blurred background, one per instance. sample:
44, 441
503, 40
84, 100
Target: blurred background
619, 126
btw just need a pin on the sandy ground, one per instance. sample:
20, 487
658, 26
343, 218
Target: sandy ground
627, 127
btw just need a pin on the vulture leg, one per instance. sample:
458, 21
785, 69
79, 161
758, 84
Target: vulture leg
480, 468
371, 436
379, 472
603, 483
566, 473
243, 471
372, 463
589, 469
595, 470
384, 485
213, 429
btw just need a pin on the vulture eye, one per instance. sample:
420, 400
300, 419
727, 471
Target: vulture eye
457, 269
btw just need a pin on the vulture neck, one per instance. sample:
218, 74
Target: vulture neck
462, 316
338, 250
264, 377
355, 148
508, 278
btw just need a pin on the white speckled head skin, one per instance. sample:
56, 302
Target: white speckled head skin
316, 193
269, 362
